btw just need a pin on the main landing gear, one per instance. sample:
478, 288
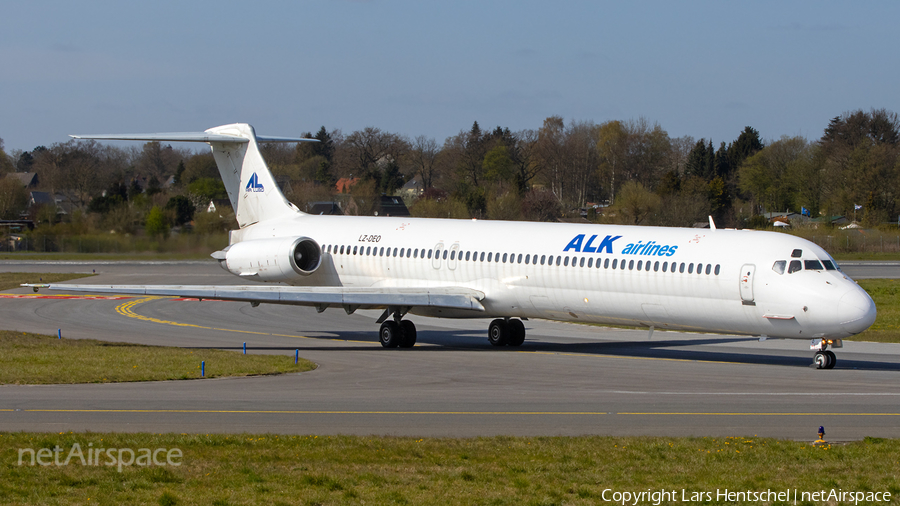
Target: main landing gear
396, 333
825, 358
506, 331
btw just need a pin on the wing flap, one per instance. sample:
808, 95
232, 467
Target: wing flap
444, 297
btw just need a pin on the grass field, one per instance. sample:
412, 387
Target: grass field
275, 470
34, 359
887, 324
10, 280
109, 257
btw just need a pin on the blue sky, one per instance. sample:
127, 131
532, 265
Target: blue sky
704, 69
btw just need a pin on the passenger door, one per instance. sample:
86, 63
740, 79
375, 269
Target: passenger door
747, 272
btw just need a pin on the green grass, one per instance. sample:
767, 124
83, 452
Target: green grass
271, 469
886, 328
10, 280
34, 359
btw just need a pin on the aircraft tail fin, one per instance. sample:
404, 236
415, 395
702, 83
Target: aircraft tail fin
251, 187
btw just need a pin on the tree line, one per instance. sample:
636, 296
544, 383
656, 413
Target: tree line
616, 171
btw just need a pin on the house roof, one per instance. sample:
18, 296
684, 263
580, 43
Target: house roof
392, 206
330, 208
27, 179
39, 198
343, 184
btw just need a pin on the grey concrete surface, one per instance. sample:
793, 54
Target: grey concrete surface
566, 379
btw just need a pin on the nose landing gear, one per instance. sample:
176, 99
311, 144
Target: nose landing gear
825, 358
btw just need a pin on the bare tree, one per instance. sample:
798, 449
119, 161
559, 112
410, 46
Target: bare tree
422, 158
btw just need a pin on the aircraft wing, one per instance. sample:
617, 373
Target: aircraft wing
321, 297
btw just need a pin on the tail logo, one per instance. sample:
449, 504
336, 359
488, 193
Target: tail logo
254, 185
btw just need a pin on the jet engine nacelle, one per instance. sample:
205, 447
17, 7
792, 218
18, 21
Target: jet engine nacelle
274, 260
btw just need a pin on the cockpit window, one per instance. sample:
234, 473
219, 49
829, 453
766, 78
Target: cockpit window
829, 265
795, 266
779, 266
812, 265
797, 253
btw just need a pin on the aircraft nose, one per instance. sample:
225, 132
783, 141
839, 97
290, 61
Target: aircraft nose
856, 311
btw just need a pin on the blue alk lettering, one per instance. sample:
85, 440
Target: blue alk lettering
575, 243
588, 248
606, 244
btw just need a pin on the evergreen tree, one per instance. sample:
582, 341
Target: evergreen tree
325, 146
746, 145
179, 172
183, 207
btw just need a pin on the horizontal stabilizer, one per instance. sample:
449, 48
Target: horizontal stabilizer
166, 137
364, 298
189, 137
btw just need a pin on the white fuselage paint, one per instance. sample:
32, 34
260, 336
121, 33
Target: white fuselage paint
805, 304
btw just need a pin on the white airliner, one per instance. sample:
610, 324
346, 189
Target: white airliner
764, 284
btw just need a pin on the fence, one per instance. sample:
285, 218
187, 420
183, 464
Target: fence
101, 243
857, 241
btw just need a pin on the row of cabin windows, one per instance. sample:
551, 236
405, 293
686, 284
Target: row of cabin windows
564, 261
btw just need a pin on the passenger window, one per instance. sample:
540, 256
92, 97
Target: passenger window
717, 269
581, 262
699, 268
566, 262
416, 253
794, 266
631, 265
812, 265
342, 249
829, 265
640, 264
615, 262
467, 255
656, 267
445, 255
681, 268
504, 257
606, 264
453, 255
481, 258
779, 266
623, 264
429, 254
519, 259
647, 266
543, 257
490, 256
708, 268
401, 252
690, 268
369, 251
665, 266
558, 260
591, 262
354, 250
528, 259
